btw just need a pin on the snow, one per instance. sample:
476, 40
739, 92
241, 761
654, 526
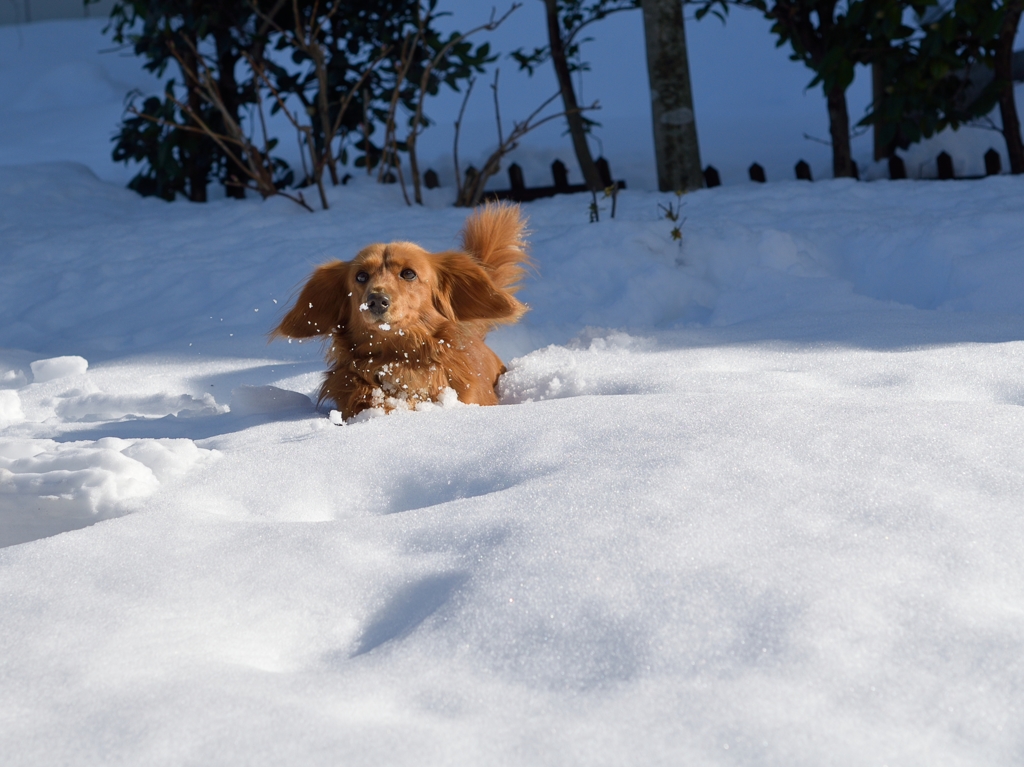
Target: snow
47, 485
58, 367
10, 407
751, 499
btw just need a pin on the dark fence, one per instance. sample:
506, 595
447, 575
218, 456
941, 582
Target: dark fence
897, 169
519, 192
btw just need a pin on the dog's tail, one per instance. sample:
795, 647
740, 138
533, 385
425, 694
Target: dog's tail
496, 235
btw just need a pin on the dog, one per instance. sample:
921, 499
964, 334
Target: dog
405, 325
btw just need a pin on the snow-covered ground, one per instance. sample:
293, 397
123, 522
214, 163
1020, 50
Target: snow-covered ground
754, 499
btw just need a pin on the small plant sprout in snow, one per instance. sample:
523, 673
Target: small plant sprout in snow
613, 192
595, 211
672, 213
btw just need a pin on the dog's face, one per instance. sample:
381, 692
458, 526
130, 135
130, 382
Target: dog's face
392, 286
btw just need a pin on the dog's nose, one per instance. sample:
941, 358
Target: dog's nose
378, 303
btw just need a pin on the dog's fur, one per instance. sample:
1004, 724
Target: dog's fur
399, 336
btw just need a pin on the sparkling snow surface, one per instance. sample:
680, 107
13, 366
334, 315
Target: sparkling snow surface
754, 500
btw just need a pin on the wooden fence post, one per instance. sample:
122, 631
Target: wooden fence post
519, 192
757, 173
803, 171
515, 178
897, 169
470, 182
945, 165
993, 163
560, 175
711, 177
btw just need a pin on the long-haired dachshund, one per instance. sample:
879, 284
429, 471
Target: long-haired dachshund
404, 324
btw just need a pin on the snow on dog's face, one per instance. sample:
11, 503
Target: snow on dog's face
392, 287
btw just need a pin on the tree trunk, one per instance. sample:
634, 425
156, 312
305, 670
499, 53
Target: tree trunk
882, 150
324, 109
577, 127
414, 167
1004, 74
196, 172
675, 128
227, 58
839, 128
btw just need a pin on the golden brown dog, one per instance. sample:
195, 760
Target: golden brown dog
405, 324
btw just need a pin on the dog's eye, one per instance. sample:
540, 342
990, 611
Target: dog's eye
408, 274
362, 277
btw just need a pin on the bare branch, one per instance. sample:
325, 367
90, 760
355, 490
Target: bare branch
470, 195
267, 19
458, 126
416, 123
572, 35
253, 162
390, 139
497, 107
345, 102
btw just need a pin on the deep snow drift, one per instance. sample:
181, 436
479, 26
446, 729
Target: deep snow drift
759, 504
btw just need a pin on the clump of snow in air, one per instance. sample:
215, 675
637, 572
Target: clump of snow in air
754, 500
384, 326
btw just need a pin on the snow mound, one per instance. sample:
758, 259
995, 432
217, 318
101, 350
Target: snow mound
396, 406
47, 487
110, 407
68, 85
10, 407
58, 367
12, 379
615, 364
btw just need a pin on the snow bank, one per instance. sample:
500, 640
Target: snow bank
47, 487
62, 93
747, 253
798, 554
106, 407
10, 408
50, 486
58, 367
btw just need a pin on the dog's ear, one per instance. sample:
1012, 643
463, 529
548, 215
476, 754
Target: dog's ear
323, 304
466, 292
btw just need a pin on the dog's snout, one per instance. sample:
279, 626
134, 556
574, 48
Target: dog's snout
378, 302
